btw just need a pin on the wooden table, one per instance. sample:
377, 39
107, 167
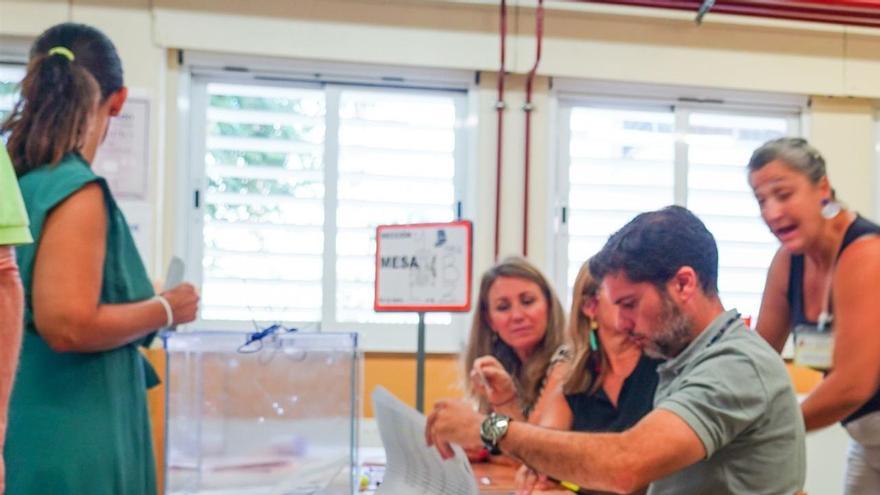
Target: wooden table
494, 477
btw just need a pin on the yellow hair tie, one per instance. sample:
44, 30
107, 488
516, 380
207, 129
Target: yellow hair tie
63, 51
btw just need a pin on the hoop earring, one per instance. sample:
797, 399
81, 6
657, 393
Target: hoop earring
830, 208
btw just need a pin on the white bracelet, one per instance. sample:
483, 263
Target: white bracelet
169, 315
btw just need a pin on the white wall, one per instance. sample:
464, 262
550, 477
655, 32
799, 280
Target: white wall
826, 460
843, 129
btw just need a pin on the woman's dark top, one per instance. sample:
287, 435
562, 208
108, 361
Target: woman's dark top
596, 413
860, 227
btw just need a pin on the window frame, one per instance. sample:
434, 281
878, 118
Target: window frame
14, 50
681, 103
198, 69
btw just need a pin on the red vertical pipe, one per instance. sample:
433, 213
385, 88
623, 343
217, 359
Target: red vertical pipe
499, 108
527, 108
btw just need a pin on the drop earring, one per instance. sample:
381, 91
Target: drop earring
594, 327
830, 208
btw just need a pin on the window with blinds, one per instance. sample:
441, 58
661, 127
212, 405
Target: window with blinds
718, 148
10, 78
295, 180
396, 165
617, 161
263, 203
620, 163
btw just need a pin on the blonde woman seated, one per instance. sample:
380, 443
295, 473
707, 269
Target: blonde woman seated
609, 384
515, 341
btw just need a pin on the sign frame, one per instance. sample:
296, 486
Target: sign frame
413, 308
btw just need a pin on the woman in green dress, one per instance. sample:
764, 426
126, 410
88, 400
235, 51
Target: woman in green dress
78, 421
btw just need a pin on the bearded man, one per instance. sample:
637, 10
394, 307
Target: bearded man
726, 419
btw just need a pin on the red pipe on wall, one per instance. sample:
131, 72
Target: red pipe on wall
499, 107
852, 12
527, 108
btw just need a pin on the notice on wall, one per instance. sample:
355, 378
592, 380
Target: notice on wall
124, 156
424, 267
123, 159
139, 216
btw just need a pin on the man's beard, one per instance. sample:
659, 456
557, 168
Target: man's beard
673, 332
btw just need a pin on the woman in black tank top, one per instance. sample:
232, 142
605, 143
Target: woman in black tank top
607, 384
826, 274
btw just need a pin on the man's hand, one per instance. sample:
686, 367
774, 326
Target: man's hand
453, 422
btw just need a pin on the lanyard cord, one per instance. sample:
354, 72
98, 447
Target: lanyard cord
823, 323
724, 328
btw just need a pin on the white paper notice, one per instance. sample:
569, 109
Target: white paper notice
423, 267
139, 215
412, 467
124, 156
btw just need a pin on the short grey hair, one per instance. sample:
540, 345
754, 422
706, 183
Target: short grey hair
795, 152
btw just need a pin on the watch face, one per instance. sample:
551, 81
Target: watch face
494, 427
501, 427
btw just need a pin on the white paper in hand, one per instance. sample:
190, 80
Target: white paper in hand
412, 467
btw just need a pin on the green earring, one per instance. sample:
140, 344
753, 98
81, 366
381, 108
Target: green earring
594, 344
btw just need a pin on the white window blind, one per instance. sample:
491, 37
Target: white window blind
619, 160
396, 165
620, 163
10, 78
263, 204
718, 148
292, 180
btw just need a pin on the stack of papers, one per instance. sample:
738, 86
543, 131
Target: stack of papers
412, 467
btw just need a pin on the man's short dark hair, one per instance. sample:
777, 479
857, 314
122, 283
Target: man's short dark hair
653, 246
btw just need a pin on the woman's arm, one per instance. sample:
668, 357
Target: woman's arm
551, 409
773, 323
11, 306
492, 381
67, 278
855, 375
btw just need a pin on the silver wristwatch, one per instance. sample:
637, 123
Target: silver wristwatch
492, 430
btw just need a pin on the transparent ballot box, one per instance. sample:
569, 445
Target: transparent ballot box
274, 416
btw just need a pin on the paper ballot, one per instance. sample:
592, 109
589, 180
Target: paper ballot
412, 467
174, 277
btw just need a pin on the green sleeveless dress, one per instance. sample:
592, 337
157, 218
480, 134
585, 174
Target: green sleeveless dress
78, 422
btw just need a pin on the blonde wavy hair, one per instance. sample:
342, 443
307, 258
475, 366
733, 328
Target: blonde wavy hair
528, 376
589, 365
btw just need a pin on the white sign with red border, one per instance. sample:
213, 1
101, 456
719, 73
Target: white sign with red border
423, 267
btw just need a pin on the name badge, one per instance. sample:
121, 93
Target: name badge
813, 348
